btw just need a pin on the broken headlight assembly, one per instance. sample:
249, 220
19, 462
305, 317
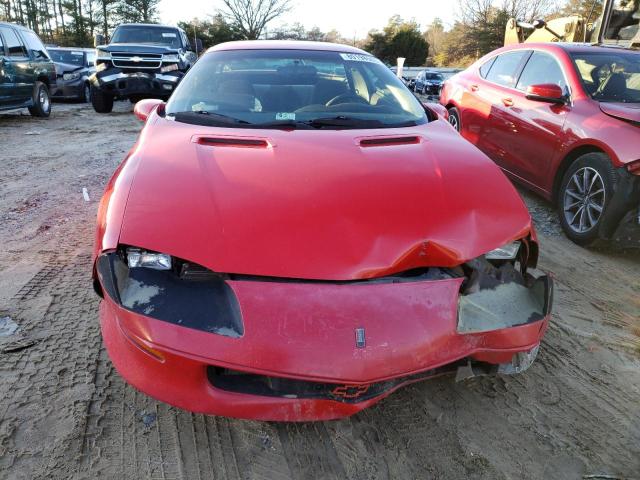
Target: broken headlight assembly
505, 252
499, 293
137, 258
170, 289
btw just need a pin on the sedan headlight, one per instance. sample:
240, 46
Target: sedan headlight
170, 57
71, 76
505, 252
156, 261
102, 55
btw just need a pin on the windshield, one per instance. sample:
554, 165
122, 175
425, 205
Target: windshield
433, 76
610, 76
72, 57
321, 89
147, 35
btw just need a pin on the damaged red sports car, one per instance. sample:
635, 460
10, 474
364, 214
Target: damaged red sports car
294, 237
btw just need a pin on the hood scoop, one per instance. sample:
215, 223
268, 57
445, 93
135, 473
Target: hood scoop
222, 141
389, 141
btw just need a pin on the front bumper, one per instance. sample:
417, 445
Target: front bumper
69, 89
122, 83
621, 220
300, 356
432, 89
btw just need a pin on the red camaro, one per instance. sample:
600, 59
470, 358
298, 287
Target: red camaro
294, 237
562, 119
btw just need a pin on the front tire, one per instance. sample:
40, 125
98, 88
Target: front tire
86, 93
102, 102
41, 101
585, 192
454, 118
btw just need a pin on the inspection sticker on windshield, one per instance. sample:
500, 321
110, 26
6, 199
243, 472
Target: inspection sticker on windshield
359, 57
285, 116
168, 35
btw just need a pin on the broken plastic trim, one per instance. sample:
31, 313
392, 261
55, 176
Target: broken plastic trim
520, 362
618, 222
202, 301
497, 297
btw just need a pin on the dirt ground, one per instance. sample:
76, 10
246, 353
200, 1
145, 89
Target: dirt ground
65, 412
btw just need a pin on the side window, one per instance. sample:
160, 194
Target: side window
91, 59
35, 46
505, 68
541, 68
486, 66
1, 47
185, 41
13, 47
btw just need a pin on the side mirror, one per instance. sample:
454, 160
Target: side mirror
437, 109
547, 92
145, 107
98, 39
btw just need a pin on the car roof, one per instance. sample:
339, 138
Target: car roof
285, 45
151, 25
75, 49
15, 25
566, 46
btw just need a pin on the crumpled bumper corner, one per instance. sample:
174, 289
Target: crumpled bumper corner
504, 306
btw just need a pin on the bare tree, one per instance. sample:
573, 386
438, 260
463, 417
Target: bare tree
529, 10
251, 16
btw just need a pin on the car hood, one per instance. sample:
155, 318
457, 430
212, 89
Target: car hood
623, 111
137, 48
316, 204
66, 67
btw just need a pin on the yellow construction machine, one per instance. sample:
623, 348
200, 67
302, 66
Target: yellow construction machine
617, 25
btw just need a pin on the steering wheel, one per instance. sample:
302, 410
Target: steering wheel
344, 97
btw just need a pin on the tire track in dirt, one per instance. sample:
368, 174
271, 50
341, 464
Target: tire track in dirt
309, 451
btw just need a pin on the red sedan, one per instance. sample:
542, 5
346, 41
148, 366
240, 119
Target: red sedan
295, 236
562, 119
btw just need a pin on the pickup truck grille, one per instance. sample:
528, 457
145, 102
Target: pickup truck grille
133, 60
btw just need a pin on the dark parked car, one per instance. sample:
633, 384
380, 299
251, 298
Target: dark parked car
141, 61
564, 120
74, 66
428, 83
27, 74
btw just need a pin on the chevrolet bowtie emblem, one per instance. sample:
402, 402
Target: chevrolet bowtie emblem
136, 59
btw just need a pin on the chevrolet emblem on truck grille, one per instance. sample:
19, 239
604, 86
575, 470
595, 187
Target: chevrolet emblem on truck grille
136, 59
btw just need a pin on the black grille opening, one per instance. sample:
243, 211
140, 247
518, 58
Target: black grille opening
267, 386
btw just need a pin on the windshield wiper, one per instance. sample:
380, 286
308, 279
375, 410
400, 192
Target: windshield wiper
339, 121
205, 118
342, 121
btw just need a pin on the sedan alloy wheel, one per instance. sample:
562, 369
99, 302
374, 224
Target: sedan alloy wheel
584, 200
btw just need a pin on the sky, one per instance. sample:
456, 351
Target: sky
352, 18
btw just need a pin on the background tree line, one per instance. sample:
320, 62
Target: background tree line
74, 22
478, 29
480, 26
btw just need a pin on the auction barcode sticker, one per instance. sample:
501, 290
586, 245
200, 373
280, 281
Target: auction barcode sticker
359, 57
